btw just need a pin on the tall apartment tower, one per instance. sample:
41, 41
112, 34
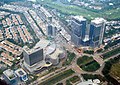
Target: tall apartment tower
96, 32
78, 25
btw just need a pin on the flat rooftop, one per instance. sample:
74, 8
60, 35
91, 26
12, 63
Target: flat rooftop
79, 18
98, 21
9, 74
20, 72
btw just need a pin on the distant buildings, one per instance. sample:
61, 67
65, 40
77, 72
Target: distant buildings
81, 35
51, 30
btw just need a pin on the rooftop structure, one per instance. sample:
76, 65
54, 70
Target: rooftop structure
9, 76
21, 74
79, 18
45, 12
98, 21
54, 58
90, 82
8, 46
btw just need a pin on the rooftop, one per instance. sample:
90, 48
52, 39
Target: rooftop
55, 54
98, 21
9, 74
80, 18
20, 72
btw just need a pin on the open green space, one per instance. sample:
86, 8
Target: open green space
107, 68
76, 10
115, 71
91, 66
111, 53
84, 60
68, 82
70, 57
74, 79
58, 77
87, 63
89, 51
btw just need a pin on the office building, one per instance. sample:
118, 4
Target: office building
78, 25
10, 77
96, 32
51, 30
33, 58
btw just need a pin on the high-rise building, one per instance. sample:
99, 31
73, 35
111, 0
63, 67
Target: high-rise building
78, 25
96, 32
34, 56
51, 30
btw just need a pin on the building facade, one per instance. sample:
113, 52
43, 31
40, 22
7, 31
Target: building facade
34, 57
78, 25
51, 30
96, 32
87, 35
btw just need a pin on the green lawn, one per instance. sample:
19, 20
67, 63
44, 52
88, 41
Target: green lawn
84, 60
58, 77
74, 79
68, 82
70, 57
87, 63
91, 66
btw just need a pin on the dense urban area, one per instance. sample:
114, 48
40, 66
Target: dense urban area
59, 42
